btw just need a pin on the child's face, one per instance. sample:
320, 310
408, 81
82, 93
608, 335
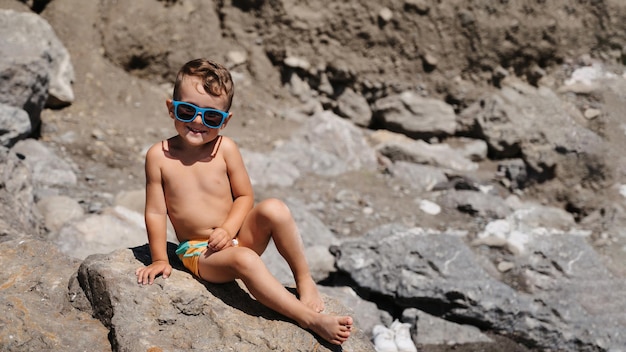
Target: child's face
195, 132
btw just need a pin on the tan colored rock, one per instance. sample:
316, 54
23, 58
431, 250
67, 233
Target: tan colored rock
182, 313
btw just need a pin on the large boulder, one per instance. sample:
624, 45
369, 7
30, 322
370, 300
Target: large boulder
35, 302
535, 125
327, 145
416, 116
183, 313
564, 297
35, 66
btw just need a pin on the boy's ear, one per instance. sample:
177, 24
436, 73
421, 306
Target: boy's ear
230, 114
170, 107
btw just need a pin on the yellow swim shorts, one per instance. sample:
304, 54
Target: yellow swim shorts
189, 253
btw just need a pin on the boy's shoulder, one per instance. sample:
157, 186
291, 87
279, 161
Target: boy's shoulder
159, 148
226, 139
228, 143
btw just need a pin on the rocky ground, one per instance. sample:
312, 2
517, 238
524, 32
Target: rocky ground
119, 107
116, 116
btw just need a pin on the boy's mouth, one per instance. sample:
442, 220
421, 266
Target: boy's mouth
195, 130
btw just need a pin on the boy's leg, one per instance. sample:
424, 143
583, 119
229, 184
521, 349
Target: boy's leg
271, 218
245, 264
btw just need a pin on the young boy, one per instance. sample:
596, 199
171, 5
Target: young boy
199, 180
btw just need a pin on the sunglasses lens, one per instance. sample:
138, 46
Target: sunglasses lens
185, 112
212, 118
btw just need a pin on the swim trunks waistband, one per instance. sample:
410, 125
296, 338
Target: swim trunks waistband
184, 248
189, 253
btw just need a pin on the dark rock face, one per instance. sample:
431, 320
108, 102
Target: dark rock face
438, 272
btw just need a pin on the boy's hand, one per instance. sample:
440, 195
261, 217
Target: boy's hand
219, 239
147, 274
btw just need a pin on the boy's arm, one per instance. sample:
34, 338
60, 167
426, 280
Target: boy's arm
243, 196
156, 222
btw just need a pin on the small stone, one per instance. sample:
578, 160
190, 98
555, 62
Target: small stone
385, 14
419, 6
505, 266
430, 60
591, 114
429, 207
97, 134
236, 58
95, 207
297, 62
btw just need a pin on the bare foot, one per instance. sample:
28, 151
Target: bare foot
309, 295
332, 328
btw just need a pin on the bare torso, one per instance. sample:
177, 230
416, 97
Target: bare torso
197, 191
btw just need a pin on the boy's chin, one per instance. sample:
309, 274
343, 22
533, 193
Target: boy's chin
200, 138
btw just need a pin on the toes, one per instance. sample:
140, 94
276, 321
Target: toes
346, 321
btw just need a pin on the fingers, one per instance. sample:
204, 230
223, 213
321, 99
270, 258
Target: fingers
144, 276
219, 239
147, 275
167, 272
140, 273
151, 277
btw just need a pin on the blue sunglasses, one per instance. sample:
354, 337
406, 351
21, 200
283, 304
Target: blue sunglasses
187, 112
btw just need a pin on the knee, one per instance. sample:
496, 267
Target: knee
274, 210
245, 260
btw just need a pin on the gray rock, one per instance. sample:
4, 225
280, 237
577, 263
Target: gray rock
431, 330
413, 114
424, 269
533, 122
300, 88
17, 197
182, 313
472, 149
101, 233
530, 215
130, 205
14, 124
36, 311
327, 145
354, 107
399, 147
417, 176
48, 169
58, 210
36, 62
265, 170
475, 203
513, 172
133, 200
